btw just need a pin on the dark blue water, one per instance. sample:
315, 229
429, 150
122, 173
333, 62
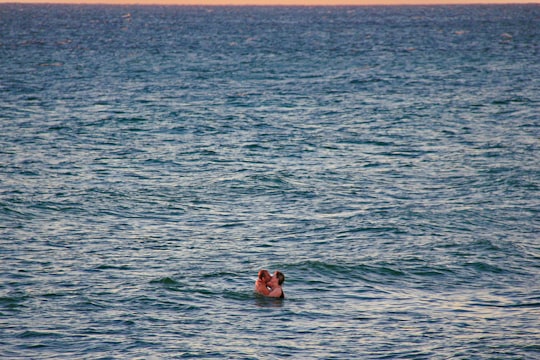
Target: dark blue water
153, 159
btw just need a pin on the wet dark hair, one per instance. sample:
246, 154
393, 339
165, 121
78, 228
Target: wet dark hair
281, 277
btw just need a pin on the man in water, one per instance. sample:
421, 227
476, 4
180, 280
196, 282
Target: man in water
270, 285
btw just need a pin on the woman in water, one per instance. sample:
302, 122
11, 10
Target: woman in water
261, 286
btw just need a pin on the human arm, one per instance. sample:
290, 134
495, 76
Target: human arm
261, 288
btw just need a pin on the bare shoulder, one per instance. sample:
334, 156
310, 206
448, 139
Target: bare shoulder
276, 293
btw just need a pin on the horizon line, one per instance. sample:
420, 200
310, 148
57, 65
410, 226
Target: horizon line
270, 3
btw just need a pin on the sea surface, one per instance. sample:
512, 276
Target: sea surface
153, 159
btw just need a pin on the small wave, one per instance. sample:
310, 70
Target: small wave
484, 267
510, 100
345, 270
171, 284
524, 305
219, 274
369, 80
113, 267
238, 295
268, 302
164, 281
12, 303
33, 334
191, 289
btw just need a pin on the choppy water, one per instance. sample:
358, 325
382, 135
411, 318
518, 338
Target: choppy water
387, 160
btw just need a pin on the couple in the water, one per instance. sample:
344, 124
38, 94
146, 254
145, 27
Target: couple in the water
269, 285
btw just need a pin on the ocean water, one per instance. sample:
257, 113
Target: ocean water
153, 159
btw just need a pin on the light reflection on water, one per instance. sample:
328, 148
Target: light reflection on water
395, 188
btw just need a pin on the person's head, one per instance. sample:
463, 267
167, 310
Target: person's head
281, 278
264, 275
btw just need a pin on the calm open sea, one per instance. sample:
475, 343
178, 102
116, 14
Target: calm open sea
153, 159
